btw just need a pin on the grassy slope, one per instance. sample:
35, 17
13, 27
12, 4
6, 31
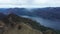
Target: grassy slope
24, 30
32, 23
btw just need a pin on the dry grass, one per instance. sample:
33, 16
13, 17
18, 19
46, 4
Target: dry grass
24, 30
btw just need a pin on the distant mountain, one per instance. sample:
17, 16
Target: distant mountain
18, 11
48, 13
2, 15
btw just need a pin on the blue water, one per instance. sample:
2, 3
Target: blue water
48, 23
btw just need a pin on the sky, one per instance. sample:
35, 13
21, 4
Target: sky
29, 3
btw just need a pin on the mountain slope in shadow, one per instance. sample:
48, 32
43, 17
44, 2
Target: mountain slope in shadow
14, 24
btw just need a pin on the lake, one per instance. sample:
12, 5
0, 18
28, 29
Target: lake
46, 22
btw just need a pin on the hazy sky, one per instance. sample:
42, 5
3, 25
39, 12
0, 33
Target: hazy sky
29, 3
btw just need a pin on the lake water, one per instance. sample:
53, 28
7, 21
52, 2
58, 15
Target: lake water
48, 23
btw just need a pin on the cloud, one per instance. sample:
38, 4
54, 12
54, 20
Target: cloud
40, 1
29, 3
14, 2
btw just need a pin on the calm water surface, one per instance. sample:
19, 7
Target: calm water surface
48, 23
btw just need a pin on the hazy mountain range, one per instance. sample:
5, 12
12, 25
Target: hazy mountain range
48, 13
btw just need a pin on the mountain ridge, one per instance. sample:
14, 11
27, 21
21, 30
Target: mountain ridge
12, 19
